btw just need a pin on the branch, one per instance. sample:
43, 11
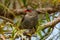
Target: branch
7, 9
40, 10
3, 37
9, 20
47, 9
52, 24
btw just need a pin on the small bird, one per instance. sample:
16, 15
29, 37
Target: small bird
29, 21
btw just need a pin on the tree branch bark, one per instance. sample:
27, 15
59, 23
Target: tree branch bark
9, 20
52, 24
40, 10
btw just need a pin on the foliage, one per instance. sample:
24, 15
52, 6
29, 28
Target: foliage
43, 18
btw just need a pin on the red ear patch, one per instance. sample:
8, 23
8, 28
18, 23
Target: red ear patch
30, 10
27, 10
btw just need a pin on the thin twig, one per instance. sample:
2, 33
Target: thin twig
52, 24
7, 9
9, 20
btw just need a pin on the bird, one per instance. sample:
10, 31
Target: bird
29, 21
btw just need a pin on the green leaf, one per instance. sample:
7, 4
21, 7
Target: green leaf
13, 32
40, 34
47, 16
7, 3
24, 2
